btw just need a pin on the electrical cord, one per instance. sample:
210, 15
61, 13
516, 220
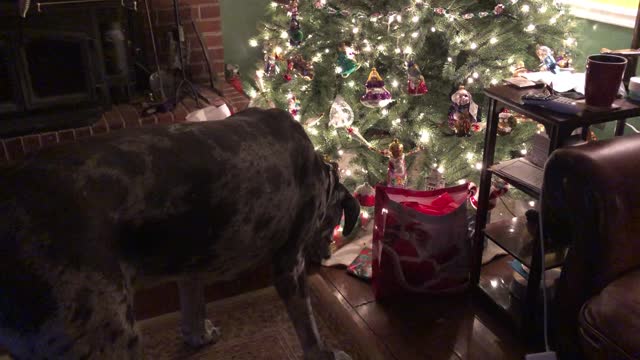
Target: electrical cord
542, 276
507, 207
633, 128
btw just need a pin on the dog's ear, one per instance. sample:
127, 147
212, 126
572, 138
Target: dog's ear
351, 209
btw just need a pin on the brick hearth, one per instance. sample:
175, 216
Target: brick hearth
119, 117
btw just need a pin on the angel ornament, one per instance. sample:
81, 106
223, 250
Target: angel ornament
397, 170
547, 61
463, 112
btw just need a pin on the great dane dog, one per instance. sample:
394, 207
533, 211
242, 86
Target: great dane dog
80, 221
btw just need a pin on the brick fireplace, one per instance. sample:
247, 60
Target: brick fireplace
116, 101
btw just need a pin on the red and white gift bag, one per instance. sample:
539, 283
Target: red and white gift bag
420, 241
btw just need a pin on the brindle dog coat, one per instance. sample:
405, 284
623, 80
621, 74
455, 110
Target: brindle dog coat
78, 222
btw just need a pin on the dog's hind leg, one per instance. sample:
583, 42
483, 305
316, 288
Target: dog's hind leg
291, 283
196, 329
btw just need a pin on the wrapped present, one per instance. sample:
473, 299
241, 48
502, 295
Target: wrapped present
361, 266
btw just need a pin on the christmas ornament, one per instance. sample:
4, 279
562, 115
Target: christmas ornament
365, 194
295, 34
287, 76
439, 11
435, 180
353, 132
375, 95
312, 121
415, 85
564, 61
341, 114
463, 112
294, 106
270, 65
498, 9
347, 59
498, 188
548, 62
232, 75
506, 122
319, 4
302, 67
520, 69
396, 170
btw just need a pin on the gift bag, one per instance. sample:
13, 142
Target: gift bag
420, 241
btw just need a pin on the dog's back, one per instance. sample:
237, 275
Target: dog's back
161, 200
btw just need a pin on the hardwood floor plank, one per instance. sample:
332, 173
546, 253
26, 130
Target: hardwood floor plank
333, 301
449, 327
417, 329
356, 291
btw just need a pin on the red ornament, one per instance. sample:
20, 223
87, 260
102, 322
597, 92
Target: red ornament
236, 84
439, 11
498, 188
287, 77
365, 194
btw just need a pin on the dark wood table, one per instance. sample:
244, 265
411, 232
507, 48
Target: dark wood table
512, 235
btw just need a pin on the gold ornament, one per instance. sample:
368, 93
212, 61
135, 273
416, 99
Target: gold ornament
396, 148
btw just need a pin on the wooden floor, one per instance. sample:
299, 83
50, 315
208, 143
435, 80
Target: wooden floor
450, 327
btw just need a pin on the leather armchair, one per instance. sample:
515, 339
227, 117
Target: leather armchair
591, 200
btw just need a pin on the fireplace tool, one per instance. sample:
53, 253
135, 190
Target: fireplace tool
185, 86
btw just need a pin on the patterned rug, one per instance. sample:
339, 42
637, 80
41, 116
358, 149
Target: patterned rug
254, 325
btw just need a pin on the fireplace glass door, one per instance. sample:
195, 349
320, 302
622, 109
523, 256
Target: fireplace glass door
8, 101
57, 69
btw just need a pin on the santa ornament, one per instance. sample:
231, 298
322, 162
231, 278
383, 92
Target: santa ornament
416, 85
506, 122
463, 112
498, 188
376, 96
365, 194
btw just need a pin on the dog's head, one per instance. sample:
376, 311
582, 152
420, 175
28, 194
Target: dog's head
338, 201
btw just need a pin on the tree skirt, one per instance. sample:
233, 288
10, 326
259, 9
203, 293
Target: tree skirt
254, 325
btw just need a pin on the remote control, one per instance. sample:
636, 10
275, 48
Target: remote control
552, 102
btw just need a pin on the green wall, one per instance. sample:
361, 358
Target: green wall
239, 24
593, 36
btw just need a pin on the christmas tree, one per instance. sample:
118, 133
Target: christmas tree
370, 79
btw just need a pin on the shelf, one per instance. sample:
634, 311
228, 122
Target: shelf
495, 283
510, 96
512, 236
522, 174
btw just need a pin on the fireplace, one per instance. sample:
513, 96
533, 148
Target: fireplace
80, 68
63, 67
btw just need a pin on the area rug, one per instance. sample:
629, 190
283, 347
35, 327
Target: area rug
254, 325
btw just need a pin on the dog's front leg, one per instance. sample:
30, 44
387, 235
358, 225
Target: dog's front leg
291, 283
196, 329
